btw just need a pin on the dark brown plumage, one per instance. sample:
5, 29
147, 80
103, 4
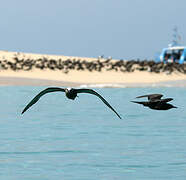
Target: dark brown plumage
71, 93
155, 102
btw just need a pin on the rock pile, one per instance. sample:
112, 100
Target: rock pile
17, 64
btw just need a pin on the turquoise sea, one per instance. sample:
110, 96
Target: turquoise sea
61, 139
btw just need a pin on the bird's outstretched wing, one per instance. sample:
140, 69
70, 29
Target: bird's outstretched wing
145, 103
90, 91
152, 97
37, 97
166, 100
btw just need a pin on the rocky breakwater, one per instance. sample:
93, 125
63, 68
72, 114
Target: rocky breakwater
99, 65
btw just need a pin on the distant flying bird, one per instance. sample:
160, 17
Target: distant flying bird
155, 102
71, 93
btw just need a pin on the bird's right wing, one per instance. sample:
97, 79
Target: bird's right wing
152, 97
166, 100
90, 91
37, 97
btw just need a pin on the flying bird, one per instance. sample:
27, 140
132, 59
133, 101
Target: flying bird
70, 93
155, 102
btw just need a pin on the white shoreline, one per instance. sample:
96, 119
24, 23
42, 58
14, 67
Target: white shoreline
18, 81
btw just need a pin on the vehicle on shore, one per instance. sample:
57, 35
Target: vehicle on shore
174, 52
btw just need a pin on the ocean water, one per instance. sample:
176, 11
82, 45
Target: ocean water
58, 138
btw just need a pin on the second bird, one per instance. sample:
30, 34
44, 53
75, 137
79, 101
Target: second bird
155, 102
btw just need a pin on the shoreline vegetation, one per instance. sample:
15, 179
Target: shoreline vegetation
28, 68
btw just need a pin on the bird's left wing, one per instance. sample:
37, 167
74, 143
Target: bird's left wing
90, 91
145, 103
37, 97
166, 100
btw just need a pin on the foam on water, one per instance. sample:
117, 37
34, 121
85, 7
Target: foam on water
179, 83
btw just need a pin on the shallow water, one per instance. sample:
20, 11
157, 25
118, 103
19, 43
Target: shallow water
84, 140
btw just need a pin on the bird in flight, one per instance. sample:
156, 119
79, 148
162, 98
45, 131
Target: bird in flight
155, 102
70, 93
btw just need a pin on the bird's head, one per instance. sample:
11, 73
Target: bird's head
71, 93
174, 107
68, 89
170, 106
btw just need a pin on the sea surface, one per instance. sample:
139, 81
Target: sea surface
62, 139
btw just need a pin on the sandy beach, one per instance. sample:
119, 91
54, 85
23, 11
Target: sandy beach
47, 77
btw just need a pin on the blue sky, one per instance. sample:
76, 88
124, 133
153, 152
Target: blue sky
123, 29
